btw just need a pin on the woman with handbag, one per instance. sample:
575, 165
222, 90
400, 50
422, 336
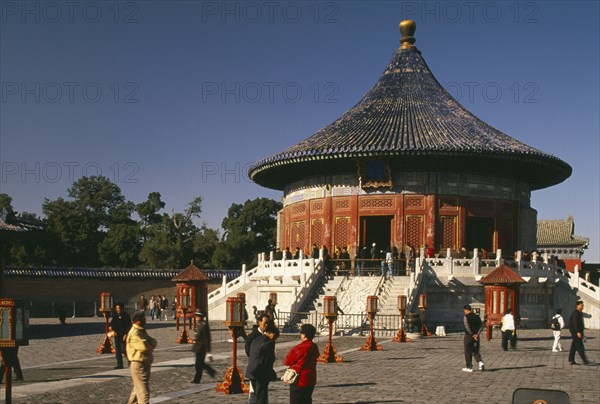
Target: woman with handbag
303, 360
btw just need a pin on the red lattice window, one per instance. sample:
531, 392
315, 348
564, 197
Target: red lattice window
376, 203
414, 202
342, 226
316, 232
344, 204
414, 231
317, 206
448, 227
298, 208
298, 232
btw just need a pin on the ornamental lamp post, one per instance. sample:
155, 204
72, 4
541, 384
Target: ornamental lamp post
233, 382
105, 307
371, 343
13, 320
401, 335
273, 297
242, 329
184, 304
422, 307
330, 311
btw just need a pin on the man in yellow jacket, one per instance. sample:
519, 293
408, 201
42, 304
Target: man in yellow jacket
139, 352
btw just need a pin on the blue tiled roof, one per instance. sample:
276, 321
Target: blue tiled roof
410, 120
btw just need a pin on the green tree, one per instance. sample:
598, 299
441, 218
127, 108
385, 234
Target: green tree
121, 246
78, 227
248, 230
148, 211
170, 242
6, 204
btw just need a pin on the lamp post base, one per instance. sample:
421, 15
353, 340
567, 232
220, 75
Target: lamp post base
106, 347
401, 336
371, 344
233, 383
184, 338
329, 355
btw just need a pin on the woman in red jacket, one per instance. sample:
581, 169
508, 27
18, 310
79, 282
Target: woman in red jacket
303, 359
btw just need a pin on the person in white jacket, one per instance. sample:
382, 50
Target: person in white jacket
509, 331
556, 330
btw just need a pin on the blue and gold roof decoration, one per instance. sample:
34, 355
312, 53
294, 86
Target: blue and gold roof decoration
409, 121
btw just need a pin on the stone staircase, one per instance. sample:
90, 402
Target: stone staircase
352, 297
330, 288
312, 310
388, 298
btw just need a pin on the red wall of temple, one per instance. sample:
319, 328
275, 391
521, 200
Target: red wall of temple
418, 220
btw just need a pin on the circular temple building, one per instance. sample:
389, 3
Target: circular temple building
408, 166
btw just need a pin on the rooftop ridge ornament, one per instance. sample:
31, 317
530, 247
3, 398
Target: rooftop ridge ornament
407, 29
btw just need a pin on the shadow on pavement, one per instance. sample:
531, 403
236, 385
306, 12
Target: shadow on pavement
47, 331
347, 385
514, 368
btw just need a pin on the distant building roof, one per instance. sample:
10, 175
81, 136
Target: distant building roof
10, 227
57, 272
502, 275
110, 273
559, 233
411, 121
191, 273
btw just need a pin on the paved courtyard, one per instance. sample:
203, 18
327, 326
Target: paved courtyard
60, 366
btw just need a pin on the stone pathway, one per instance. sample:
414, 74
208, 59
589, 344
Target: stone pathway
60, 366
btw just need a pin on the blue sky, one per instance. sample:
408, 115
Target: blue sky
180, 96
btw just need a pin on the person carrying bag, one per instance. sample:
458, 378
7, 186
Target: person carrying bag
302, 360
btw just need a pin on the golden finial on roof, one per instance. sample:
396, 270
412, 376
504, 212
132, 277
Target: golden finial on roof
407, 29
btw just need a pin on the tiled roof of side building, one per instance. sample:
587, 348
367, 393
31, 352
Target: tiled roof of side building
118, 273
408, 117
502, 275
559, 233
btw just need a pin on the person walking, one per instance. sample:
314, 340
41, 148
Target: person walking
140, 347
201, 346
557, 323
13, 357
389, 260
260, 348
120, 324
152, 305
164, 308
270, 309
508, 330
303, 359
473, 327
576, 328
143, 304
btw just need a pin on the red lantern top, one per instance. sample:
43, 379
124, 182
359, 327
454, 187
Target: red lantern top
402, 302
184, 298
273, 297
330, 306
105, 302
422, 301
372, 304
233, 315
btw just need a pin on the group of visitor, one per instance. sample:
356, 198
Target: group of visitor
474, 326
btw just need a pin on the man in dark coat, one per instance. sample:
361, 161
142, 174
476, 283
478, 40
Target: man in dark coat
120, 324
576, 329
202, 348
473, 327
260, 348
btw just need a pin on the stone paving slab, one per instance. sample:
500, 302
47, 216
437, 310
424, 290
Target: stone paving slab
62, 367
